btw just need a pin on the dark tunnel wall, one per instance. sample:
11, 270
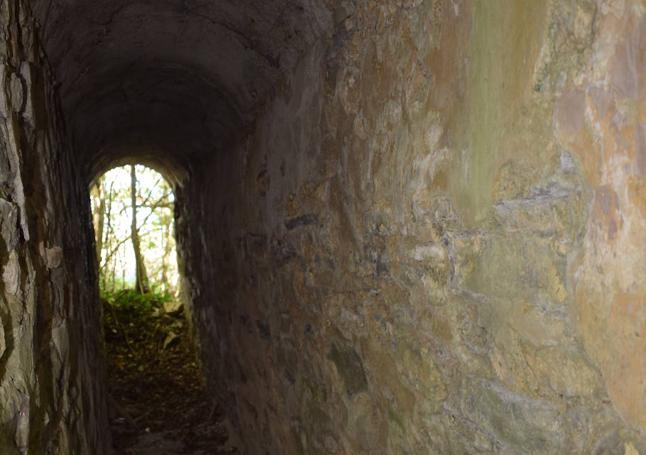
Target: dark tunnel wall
187, 77
51, 371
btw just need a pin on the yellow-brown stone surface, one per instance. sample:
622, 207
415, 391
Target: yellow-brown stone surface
449, 248
606, 127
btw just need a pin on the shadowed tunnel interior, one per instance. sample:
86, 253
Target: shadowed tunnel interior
184, 78
403, 226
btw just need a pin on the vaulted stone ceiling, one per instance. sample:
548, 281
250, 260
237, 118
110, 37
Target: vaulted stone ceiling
178, 78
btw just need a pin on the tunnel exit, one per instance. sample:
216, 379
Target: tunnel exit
156, 389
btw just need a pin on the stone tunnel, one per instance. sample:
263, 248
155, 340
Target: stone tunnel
404, 226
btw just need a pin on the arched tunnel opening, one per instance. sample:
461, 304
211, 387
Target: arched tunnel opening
403, 227
156, 396
134, 233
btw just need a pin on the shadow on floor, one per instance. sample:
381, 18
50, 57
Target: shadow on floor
157, 396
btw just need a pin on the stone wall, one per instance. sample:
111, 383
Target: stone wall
51, 384
433, 240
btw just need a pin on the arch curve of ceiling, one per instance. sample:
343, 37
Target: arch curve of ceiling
183, 77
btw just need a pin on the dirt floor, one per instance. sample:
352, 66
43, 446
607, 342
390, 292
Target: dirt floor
158, 402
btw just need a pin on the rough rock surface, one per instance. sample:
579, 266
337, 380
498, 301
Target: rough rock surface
433, 240
51, 380
405, 226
